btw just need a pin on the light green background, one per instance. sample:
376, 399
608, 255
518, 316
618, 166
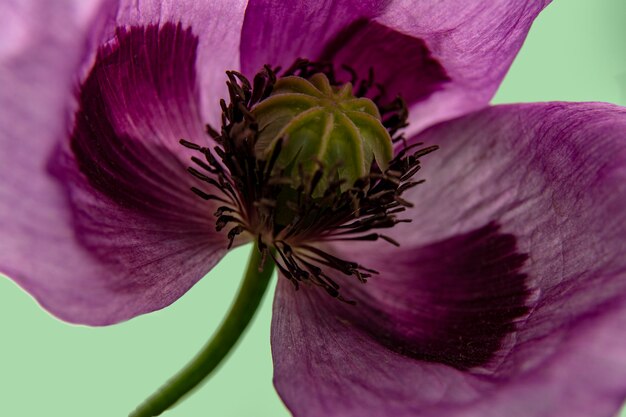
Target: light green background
575, 51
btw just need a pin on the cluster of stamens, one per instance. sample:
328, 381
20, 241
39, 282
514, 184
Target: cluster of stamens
292, 230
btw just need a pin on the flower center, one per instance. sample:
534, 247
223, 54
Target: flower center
321, 125
300, 162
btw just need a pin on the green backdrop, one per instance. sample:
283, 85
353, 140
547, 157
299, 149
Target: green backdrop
575, 51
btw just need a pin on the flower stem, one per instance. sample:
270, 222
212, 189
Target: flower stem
251, 292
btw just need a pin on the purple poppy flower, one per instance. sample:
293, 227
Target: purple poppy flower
506, 295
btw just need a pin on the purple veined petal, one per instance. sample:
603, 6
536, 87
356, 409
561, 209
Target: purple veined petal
216, 23
38, 66
507, 296
475, 42
98, 221
277, 32
444, 58
433, 314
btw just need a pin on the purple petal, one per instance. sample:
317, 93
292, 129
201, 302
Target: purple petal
277, 32
216, 23
399, 64
454, 301
445, 58
549, 284
104, 227
475, 42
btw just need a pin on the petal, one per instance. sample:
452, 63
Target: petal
120, 233
444, 58
277, 32
38, 72
323, 366
523, 165
216, 23
552, 175
454, 301
474, 42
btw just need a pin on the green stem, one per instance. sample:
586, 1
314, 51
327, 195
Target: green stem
241, 312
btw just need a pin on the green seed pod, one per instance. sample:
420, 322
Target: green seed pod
319, 123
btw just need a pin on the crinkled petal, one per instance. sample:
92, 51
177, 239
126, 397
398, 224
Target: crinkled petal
98, 219
444, 58
507, 296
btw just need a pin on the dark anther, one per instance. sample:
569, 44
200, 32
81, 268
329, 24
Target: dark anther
202, 194
190, 145
233, 233
211, 132
288, 222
